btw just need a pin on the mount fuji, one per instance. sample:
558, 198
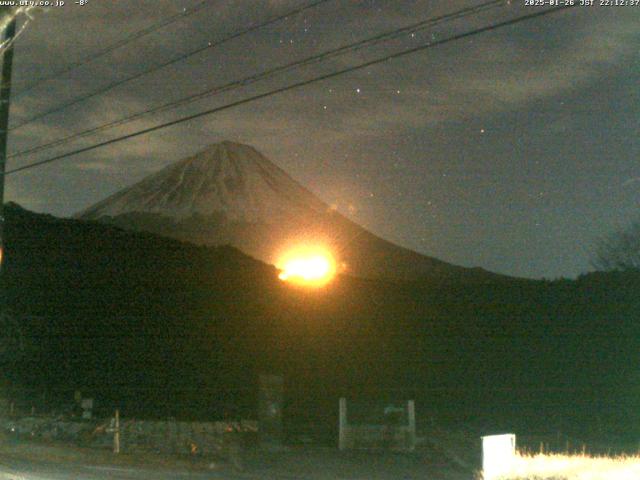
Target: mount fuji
232, 194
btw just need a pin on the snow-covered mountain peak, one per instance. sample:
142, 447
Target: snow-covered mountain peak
228, 179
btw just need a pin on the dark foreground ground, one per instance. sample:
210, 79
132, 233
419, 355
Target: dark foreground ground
27, 461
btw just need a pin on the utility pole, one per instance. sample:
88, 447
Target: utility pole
5, 95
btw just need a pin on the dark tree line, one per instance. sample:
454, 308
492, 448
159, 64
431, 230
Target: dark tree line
619, 250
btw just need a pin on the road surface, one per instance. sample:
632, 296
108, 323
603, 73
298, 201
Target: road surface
293, 464
14, 468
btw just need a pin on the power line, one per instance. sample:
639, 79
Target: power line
126, 40
303, 83
266, 74
360, 66
172, 61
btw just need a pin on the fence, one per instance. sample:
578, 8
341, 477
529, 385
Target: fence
389, 433
168, 436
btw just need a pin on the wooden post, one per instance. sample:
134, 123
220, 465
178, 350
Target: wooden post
411, 414
5, 94
270, 415
342, 424
116, 433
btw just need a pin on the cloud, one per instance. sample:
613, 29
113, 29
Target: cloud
461, 80
631, 181
501, 71
504, 68
97, 166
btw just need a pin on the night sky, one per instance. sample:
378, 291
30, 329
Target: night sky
512, 150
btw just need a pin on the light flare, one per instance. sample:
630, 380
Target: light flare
309, 266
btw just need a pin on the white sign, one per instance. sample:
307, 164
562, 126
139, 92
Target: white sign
498, 455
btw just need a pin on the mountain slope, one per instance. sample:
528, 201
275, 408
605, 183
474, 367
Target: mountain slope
232, 194
136, 319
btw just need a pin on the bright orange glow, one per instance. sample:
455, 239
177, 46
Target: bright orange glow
309, 266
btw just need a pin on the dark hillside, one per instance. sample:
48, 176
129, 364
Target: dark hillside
161, 327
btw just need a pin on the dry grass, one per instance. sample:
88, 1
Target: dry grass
574, 467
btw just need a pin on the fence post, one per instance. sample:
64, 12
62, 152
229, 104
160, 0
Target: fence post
270, 402
411, 414
342, 424
116, 433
